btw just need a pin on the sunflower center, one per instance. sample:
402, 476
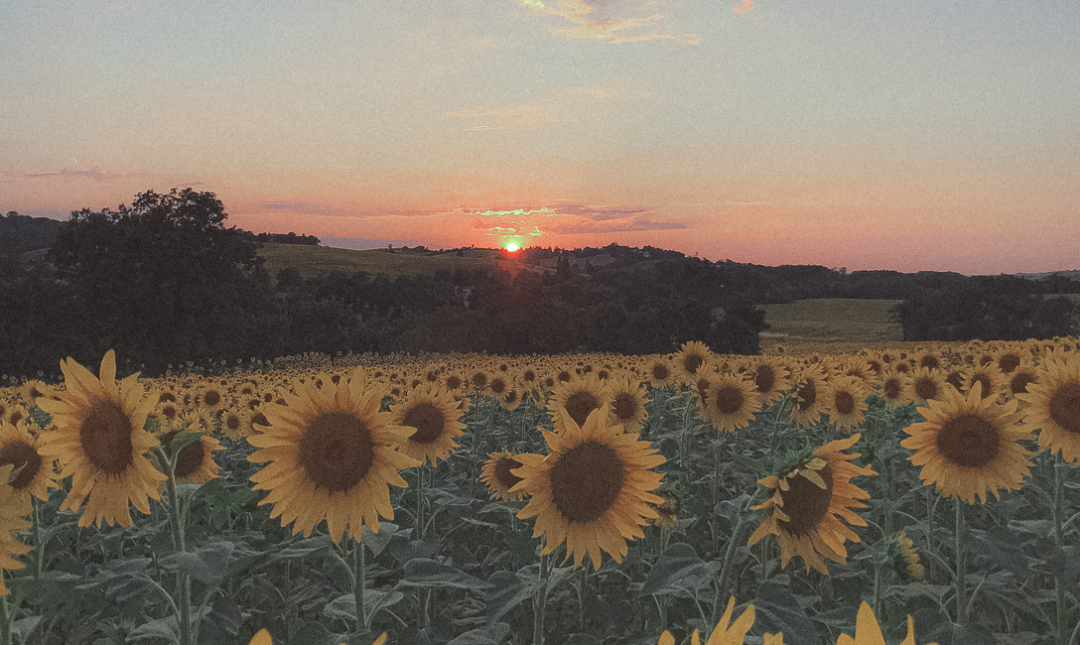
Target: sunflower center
892, 388
506, 478
969, 441
479, 379
453, 382
807, 394
190, 458
1008, 362
765, 378
926, 388
579, 404
985, 381
930, 361
428, 420
1064, 407
845, 403
498, 386
806, 503
232, 422
586, 481
692, 363
212, 397
105, 436
625, 406
336, 451
729, 399
21, 455
659, 372
1019, 382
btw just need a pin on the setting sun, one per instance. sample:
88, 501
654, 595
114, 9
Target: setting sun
512, 247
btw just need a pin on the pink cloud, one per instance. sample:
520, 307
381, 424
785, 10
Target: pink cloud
744, 6
614, 30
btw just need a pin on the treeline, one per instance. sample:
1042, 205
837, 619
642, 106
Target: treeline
163, 281
287, 238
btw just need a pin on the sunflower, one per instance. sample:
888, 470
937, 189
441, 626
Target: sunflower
436, 415
771, 378
498, 478
262, 637
807, 501
628, 399
658, 368
20, 449
732, 402
33, 390
846, 402
591, 490
195, 463
510, 399
99, 440
236, 423
1053, 407
727, 632
989, 376
576, 400
1021, 378
332, 455
968, 445
897, 389
14, 507
905, 557
868, 631
927, 384
811, 393
691, 358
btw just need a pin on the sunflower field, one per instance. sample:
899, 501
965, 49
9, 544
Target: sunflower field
910, 493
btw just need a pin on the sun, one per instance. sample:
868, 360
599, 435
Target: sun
512, 247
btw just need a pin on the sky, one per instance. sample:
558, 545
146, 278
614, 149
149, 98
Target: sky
867, 134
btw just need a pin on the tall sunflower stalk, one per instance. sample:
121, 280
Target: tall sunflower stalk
177, 513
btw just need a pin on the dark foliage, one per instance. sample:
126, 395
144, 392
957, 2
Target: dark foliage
288, 238
22, 233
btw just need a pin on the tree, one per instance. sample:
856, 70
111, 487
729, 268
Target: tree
163, 278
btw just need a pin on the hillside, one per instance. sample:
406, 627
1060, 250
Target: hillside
313, 261
830, 325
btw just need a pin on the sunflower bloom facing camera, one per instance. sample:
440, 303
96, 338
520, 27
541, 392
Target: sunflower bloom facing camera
331, 455
20, 449
100, 443
497, 476
969, 445
1053, 407
807, 501
436, 417
592, 490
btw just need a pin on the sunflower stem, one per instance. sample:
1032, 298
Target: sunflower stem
725, 571
1059, 540
420, 494
961, 605
6, 618
540, 599
359, 584
39, 541
176, 520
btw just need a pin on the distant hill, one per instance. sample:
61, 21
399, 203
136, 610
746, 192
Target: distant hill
21, 234
313, 261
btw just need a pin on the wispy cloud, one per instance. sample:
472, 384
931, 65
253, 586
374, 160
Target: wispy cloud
567, 104
589, 25
514, 116
94, 174
744, 6
639, 224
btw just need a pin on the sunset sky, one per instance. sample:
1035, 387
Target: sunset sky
868, 134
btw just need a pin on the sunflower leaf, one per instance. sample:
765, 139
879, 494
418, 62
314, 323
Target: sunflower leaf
678, 571
425, 573
378, 541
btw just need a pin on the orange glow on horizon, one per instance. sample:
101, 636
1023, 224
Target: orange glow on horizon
512, 247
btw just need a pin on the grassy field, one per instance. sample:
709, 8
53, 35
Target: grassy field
321, 260
829, 325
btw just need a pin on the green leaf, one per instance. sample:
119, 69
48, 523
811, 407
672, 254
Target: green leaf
161, 628
425, 573
508, 590
678, 570
305, 547
487, 635
378, 541
775, 610
22, 628
344, 607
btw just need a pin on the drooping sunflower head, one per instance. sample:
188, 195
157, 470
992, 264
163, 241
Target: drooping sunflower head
810, 394
497, 474
969, 445
436, 416
592, 490
1053, 407
33, 473
194, 463
99, 439
807, 496
332, 454
904, 558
